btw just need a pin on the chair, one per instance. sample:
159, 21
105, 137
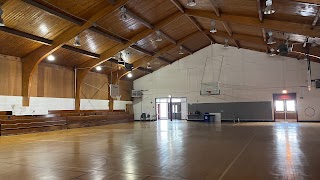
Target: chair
143, 117
148, 117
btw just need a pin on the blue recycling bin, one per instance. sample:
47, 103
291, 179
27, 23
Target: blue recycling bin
206, 117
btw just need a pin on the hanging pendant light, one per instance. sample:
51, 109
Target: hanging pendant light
123, 14
226, 44
191, 3
272, 52
270, 40
181, 50
149, 66
77, 41
213, 28
1, 20
159, 39
269, 9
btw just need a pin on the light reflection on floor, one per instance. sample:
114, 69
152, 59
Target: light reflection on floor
166, 150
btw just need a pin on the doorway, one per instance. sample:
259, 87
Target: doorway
285, 107
171, 108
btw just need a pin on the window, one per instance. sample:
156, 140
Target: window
279, 105
290, 105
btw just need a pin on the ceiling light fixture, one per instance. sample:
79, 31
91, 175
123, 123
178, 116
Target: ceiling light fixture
159, 39
181, 50
226, 44
51, 58
1, 20
77, 41
272, 52
129, 75
123, 14
284, 91
213, 28
98, 68
270, 40
269, 9
191, 3
149, 66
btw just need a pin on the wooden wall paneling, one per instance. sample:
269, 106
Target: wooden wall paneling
53, 81
125, 90
10, 76
95, 86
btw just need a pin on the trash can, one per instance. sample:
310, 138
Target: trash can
206, 117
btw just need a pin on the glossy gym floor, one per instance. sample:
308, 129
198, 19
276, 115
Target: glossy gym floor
166, 150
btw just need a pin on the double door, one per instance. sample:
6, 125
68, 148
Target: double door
285, 107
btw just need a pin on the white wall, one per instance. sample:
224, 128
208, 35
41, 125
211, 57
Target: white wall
6, 103
246, 76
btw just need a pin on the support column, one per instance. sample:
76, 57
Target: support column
80, 75
27, 74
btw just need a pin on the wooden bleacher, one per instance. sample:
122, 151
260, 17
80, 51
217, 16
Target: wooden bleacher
57, 120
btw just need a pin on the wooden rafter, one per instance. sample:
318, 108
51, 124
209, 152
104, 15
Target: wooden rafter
142, 50
140, 19
167, 37
178, 5
108, 35
283, 26
30, 62
316, 18
112, 2
112, 51
229, 31
259, 7
53, 12
215, 7
186, 49
263, 31
198, 26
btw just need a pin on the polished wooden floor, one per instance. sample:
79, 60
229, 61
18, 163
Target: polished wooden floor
166, 150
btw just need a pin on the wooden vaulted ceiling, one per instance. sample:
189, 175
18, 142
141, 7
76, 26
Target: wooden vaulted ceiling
31, 24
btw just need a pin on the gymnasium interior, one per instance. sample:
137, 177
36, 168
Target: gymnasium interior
159, 89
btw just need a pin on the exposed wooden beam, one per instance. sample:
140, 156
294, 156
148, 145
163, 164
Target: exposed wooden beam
26, 35
316, 18
187, 49
167, 37
283, 26
53, 12
227, 28
264, 35
112, 51
236, 43
195, 23
198, 26
259, 7
215, 7
45, 41
143, 61
145, 69
165, 60
113, 2
140, 49
178, 5
108, 35
30, 62
86, 53
140, 19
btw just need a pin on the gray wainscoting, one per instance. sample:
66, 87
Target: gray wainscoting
246, 111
